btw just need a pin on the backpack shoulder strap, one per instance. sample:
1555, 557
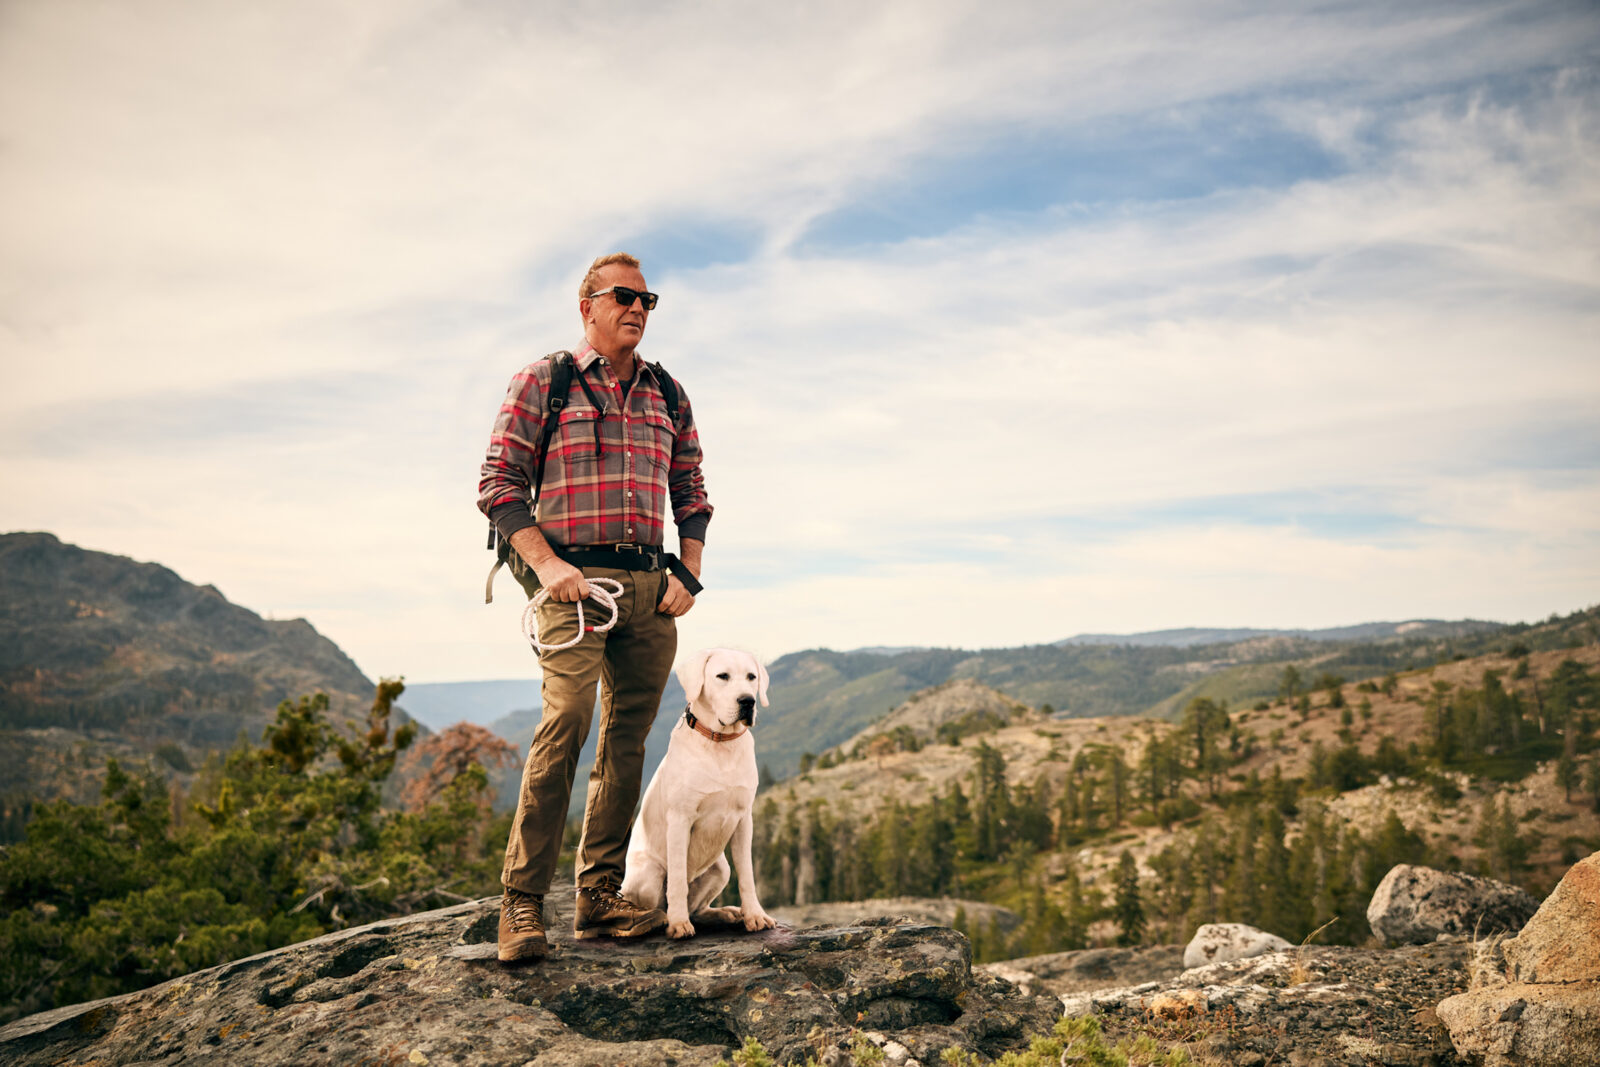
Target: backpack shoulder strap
562, 367
669, 392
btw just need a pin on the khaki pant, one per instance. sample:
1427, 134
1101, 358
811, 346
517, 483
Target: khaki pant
631, 662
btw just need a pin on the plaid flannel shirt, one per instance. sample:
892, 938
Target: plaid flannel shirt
609, 474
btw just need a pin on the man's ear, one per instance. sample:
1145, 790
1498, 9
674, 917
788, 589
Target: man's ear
692, 674
761, 682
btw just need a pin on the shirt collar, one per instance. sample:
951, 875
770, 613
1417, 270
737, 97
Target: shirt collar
585, 356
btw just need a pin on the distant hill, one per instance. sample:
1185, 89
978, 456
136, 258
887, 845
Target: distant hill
438, 705
822, 698
1043, 753
102, 655
1190, 636
960, 703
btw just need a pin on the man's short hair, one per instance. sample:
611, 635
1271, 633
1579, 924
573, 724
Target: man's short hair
591, 280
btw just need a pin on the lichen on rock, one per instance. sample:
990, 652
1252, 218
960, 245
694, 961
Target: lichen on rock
429, 984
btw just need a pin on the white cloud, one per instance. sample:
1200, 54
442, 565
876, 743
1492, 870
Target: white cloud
347, 225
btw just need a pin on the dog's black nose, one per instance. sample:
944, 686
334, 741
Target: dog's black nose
747, 710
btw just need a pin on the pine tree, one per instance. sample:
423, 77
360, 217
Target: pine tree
1204, 722
1119, 785
1567, 770
990, 801
1077, 912
1240, 898
1129, 911
1276, 907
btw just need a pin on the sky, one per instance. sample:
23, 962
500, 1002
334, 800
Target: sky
1002, 322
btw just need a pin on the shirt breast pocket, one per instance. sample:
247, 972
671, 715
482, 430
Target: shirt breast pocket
652, 438
577, 437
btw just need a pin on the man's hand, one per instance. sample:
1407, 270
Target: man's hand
676, 600
565, 582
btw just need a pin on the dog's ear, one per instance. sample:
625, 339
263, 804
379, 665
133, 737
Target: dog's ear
761, 682
692, 674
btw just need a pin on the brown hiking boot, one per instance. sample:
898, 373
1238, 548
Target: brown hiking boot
604, 912
522, 927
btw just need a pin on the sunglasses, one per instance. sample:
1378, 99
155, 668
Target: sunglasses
625, 296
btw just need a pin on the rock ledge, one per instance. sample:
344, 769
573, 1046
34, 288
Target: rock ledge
427, 989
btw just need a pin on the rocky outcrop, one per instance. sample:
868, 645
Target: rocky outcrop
1414, 905
1561, 943
427, 989
1091, 968
1536, 996
937, 911
1527, 1025
1223, 942
1305, 1006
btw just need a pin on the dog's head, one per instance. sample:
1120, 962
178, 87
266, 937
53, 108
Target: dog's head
723, 685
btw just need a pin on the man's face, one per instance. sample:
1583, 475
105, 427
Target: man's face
610, 327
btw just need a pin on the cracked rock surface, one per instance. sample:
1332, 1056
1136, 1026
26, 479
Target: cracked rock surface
1325, 1006
1081, 970
427, 989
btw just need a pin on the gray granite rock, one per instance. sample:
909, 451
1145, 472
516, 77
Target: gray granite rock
427, 989
1535, 998
1414, 905
1222, 942
1561, 943
1524, 1024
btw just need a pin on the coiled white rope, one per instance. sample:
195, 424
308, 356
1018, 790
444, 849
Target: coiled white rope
606, 597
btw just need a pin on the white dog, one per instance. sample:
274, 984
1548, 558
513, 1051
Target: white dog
700, 798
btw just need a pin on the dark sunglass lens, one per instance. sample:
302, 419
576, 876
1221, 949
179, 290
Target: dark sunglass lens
624, 295
650, 300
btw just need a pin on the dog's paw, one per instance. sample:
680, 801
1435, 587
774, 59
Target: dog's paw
680, 930
758, 920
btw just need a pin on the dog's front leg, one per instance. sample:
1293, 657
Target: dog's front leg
679, 827
755, 917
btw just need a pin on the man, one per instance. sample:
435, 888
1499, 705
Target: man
617, 468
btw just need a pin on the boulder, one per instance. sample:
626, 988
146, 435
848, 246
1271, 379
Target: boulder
428, 989
1535, 998
1222, 942
1524, 1024
1561, 943
1414, 905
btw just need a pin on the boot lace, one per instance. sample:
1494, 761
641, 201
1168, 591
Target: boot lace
522, 909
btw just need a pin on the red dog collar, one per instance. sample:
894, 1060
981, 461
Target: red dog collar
705, 731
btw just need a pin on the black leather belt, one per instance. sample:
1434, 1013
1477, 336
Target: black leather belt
629, 557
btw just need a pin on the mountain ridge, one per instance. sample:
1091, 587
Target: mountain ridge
102, 655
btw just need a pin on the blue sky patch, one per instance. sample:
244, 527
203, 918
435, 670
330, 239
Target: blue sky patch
1150, 158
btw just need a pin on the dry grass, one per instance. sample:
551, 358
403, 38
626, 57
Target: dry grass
1300, 973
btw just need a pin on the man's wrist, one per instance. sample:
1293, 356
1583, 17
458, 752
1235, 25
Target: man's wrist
530, 544
689, 551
